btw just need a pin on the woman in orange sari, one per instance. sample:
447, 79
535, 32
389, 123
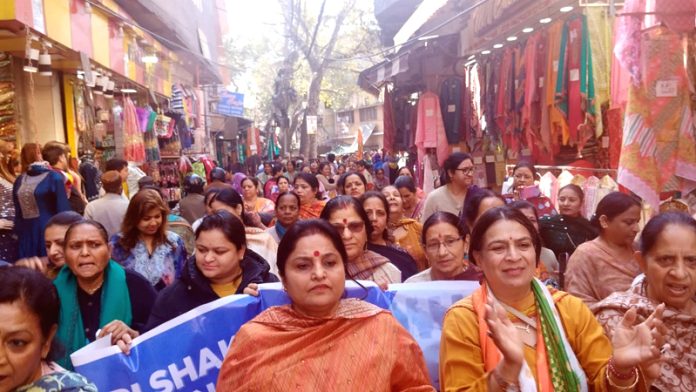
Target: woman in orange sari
514, 333
306, 186
321, 342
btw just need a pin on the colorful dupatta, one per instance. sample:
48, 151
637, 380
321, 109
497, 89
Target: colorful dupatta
312, 211
557, 367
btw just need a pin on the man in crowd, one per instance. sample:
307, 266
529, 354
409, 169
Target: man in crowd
121, 166
110, 209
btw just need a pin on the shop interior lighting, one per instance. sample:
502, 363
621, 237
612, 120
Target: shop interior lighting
129, 90
497, 46
32, 60
427, 37
567, 9
486, 52
528, 29
512, 38
545, 20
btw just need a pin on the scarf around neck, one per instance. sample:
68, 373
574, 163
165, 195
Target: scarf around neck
557, 367
365, 266
115, 305
280, 230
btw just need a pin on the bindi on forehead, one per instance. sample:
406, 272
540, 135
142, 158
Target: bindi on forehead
316, 253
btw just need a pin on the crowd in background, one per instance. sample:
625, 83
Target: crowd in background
118, 260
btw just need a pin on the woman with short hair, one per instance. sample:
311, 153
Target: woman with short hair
279, 350
514, 333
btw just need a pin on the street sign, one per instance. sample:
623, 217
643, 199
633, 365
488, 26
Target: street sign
312, 125
231, 104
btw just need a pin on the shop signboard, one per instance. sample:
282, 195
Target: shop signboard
231, 104
312, 125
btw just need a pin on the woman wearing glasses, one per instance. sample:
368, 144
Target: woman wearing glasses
524, 188
446, 242
457, 176
349, 218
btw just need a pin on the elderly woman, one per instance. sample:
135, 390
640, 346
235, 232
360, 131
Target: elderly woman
446, 242
98, 297
406, 231
347, 215
29, 311
278, 350
564, 232
287, 212
352, 184
513, 333
381, 241
668, 258
607, 263
306, 186
221, 266
144, 243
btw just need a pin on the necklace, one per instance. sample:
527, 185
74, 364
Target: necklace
94, 289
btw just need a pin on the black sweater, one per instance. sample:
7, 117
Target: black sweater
193, 289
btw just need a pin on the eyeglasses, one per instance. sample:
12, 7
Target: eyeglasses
465, 170
354, 227
449, 243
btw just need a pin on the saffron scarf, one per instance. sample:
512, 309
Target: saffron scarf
557, 367
115, 305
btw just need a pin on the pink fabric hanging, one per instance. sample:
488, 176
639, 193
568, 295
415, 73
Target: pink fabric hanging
430, 130
134, 145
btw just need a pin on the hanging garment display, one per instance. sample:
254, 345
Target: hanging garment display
451, 108
134, 146
659, 149
599, 27
430, 131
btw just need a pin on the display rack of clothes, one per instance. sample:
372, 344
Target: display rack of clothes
170, 180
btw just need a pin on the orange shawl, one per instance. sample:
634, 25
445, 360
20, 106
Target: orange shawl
490, 353
281, 350
313, 210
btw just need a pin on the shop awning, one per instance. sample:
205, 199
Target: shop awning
374, 77
420, 16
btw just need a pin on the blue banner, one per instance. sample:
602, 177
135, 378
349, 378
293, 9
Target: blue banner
186, 353
231, 104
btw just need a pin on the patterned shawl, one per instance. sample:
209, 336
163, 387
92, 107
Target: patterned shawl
365, 266
678, 368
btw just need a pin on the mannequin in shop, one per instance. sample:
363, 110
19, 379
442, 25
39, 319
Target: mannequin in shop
457, 176
38, 194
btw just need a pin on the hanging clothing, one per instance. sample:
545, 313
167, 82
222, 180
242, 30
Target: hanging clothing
563, 234
599, 27
557, 123
548, 185
659, 147
451, 108
430, 130
8, 239
133, 144
38, 195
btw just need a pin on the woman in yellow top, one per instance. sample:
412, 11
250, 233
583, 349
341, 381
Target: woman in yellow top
252, 201
221, 266
407, 232
514, 334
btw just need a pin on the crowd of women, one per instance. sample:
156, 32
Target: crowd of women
624, 322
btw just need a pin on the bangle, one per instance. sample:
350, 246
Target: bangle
624, 388
504, 385
620, 376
